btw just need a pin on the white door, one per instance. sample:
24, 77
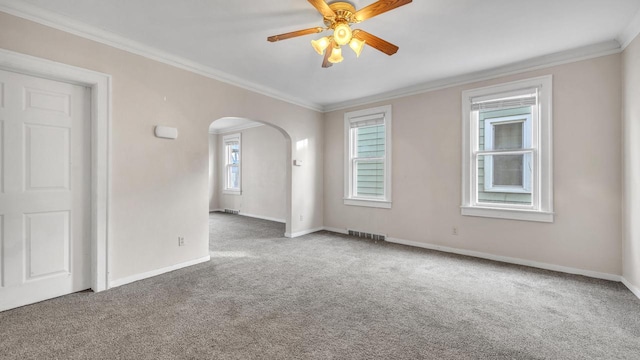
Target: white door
45, 167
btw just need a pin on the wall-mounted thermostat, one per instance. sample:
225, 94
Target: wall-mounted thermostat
297, 162
166, 132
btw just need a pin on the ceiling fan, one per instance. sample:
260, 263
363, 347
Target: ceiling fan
339, 16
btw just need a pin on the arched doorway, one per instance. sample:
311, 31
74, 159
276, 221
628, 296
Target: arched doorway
250, 169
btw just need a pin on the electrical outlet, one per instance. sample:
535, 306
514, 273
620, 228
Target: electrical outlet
454, 231
180, 240
301, 218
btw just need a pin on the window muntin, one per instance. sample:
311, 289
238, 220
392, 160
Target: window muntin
232, 172
507, 151
368, 160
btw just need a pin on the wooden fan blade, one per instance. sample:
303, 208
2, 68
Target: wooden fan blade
375, 42
377, 8
327, 54
292, 34
323, 8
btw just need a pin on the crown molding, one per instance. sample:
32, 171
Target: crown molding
66, 24
235, 128
630, 32
582, 53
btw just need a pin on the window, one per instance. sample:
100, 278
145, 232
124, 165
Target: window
368, 157
507, 151
232, 167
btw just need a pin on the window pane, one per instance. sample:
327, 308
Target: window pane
233, 153
491, 118
370, 178
508, 175
507, 136
233, 180
370, 141
508, 170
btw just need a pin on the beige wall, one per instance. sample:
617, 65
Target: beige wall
427, 174
631, 242
263, 164
159, 188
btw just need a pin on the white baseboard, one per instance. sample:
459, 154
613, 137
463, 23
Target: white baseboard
510, 260
634, 289
303, 232
506, 259
283, 221
336, 230
152, 273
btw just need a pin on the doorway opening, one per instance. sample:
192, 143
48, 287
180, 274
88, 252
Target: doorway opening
249, 177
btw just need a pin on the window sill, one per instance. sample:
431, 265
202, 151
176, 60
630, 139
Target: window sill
383, 204
511, 214
232, 192
507, 190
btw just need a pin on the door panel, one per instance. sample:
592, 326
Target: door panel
45, 177
47, 157
39, 99
47, 241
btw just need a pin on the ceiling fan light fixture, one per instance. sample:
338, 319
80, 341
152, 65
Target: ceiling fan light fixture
342, 33
338, 16
336, 55
356, 45
321, 44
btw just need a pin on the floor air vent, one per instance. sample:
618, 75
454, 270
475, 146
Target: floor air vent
366, 235
234, 212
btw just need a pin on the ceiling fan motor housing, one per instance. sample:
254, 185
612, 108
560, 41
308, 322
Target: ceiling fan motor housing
344, 12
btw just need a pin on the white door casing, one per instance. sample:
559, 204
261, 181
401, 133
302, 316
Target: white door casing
44, 189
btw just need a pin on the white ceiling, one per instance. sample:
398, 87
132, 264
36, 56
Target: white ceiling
438, 39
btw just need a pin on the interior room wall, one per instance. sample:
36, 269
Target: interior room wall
631, 245
426, 183
159, 188
214, 196
263, 179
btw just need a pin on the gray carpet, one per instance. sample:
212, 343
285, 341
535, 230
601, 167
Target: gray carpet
328, 296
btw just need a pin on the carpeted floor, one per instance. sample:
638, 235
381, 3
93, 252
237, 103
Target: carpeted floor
328, 296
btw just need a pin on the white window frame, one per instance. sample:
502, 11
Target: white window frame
227, 140
526, 144
349, 160
541, 208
